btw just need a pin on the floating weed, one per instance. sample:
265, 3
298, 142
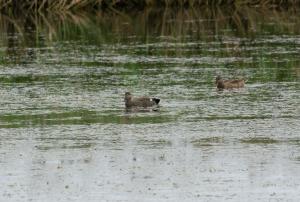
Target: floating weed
64, 146
259, 140
80, 117
209, 141
294, 142
155, 143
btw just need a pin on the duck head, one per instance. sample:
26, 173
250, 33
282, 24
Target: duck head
218, 78
128, 96
219, 82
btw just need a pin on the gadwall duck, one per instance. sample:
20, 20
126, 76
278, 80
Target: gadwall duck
228, 84
131, 101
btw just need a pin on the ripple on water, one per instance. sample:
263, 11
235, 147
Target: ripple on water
65, 134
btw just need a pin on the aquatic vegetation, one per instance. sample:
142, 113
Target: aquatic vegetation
81, 117
294, 141
209, 141
259, 140
152, 143
176, 25
79, 145
63, 5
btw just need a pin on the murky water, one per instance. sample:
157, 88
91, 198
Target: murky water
66, 136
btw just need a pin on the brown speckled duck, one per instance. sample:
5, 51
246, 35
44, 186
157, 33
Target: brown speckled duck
229, 84
131, 101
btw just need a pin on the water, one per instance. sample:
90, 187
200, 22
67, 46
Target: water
66, 136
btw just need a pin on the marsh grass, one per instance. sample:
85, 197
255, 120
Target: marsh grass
105, 27
165, 22
64, 5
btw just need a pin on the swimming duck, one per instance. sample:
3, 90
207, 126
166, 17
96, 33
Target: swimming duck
228, 84
131, 101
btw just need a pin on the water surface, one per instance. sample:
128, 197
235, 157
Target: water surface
66, 136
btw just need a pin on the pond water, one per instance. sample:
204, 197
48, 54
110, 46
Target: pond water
65, 134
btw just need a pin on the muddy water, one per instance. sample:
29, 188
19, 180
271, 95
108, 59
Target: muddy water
66, 136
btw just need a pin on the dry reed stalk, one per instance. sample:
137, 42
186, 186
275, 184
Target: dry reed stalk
63, 5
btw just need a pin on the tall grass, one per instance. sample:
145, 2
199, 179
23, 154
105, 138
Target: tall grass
62, 5
112, 27
22, 34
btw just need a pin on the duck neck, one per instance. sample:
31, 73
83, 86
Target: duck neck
128, 102
220, 84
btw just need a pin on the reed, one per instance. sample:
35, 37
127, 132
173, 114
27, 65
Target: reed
63, 5
163, 23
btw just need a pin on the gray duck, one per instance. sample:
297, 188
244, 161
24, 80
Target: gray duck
144, 101
229, 84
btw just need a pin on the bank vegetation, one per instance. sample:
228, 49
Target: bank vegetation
63, 5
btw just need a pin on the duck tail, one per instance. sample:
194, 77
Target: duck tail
156, 100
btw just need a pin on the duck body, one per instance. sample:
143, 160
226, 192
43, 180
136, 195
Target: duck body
229, 84
144, 101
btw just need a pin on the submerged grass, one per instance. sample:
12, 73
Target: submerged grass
81, 117
61, 5
209, 141
160, 143
259, 140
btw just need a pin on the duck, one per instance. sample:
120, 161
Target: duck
144, 101
229, 84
